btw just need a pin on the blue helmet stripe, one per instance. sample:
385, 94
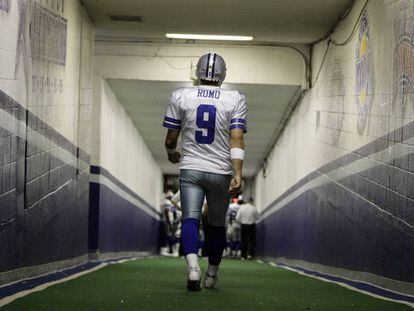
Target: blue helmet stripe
214, 63
208, 62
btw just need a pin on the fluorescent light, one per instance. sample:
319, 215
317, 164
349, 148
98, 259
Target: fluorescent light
208, 37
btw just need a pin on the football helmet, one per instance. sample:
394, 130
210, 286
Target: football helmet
211, 67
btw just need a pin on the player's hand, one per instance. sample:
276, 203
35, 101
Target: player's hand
235, 185
174, 157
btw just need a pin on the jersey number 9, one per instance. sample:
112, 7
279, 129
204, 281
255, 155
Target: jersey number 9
206, 119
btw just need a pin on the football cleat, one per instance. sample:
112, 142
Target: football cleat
210, 281
194, 278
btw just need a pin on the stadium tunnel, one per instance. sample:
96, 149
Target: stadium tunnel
329, 149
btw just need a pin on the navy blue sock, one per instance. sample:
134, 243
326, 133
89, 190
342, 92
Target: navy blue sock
216, 243
189, 236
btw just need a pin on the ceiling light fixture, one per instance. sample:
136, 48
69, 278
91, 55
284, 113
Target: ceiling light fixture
208, 37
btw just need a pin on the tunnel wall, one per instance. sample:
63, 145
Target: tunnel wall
126, 185
45, 130
337, 194
133, 163
176, 62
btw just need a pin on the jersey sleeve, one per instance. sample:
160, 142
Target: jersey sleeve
172, 119
239, 115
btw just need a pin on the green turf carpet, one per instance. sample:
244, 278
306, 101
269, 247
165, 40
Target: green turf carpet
159, 284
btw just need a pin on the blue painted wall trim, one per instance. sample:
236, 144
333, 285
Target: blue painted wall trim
361, 222
8, 290
98, 170
116, 224
355, 284
42, 197
93, 236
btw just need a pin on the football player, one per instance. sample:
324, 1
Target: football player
212, 121
233, 231
172, 218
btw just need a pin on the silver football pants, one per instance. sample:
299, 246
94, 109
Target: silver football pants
195, 186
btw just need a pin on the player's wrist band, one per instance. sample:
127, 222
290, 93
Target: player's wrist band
237, 153
170, 151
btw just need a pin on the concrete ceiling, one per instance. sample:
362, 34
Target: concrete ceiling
293, 21
145, 102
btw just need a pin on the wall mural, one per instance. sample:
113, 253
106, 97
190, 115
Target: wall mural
41, 58
403, 68
47, 33
336, 104
364, 84
47, 36
41, 45
4, 5
21, 36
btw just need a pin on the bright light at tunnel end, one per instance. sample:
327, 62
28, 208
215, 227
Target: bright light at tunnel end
208, 37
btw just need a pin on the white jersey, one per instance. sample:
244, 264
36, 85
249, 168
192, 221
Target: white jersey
232, 212
205, 115
247, 214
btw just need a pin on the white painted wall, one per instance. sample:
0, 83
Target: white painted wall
304, 146
14, 86
122, 150
173, 62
